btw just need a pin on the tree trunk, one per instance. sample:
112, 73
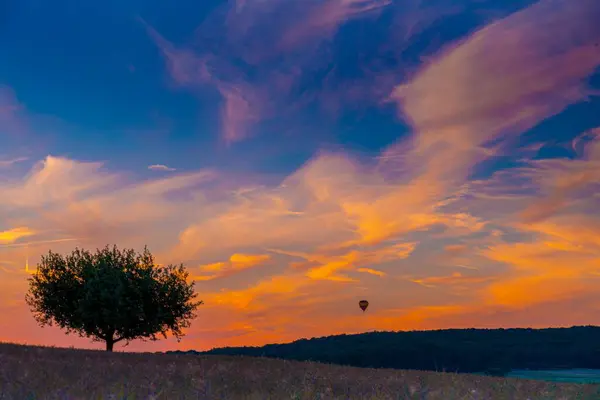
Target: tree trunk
110, 338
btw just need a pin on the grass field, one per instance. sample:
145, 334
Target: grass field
28, 372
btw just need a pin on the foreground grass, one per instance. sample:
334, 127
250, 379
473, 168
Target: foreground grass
28, 372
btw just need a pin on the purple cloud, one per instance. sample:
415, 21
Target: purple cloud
260, 79
11, 119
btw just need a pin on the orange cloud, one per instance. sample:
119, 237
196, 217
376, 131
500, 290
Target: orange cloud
456, 249
237, 262
250, 298
321, 266
12, 235
557, 266
455, 279
563, 182
371, 271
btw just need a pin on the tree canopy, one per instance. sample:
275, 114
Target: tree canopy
112, 295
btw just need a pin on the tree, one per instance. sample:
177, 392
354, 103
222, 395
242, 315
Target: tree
112, 296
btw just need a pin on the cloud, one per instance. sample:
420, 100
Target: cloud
331, 265
184, 66
300, 65
560, 258
12, 235
322, 19
10, 162
242, 108
327, 267
456, 278
160, 167
562, 183
371, 271
250, 298
489, 89
237, 262
69, 199
456, 249
557, 266
242, 104
296, 23
499, 82
35, 243
331, 202
11, 113
57, 179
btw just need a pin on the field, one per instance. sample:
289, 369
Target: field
28, 372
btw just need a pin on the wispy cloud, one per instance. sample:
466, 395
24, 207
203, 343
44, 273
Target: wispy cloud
11, 113
241, 110
371, 271
322, 19
563, 183
160, 167
68, 198
323, 266
237, 262
242, 103
36, 243
527, 77
12, 161
455, 278
260, 80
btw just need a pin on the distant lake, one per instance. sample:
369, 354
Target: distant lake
559, 375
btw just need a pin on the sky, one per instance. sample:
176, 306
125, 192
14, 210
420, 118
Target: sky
438, 158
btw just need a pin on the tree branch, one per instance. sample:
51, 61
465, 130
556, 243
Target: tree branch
119, 339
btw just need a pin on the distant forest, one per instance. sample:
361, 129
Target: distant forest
490, 351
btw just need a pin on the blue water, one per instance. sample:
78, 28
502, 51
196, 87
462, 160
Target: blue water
561, 375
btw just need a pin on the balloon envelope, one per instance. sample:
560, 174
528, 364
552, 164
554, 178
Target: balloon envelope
363, 304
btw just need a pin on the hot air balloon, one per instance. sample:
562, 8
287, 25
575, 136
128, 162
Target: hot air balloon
363, 304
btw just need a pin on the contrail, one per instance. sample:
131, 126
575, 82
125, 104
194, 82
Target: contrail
39, 242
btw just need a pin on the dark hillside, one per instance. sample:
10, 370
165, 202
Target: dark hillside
457, 350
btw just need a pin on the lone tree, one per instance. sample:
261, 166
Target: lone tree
112, 296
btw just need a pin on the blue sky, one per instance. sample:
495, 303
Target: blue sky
96, 71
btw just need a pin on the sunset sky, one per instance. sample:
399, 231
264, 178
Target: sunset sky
439, 158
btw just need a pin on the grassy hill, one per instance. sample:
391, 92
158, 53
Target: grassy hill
28, 372
457, 350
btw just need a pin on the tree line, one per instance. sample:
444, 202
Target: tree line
490, 351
